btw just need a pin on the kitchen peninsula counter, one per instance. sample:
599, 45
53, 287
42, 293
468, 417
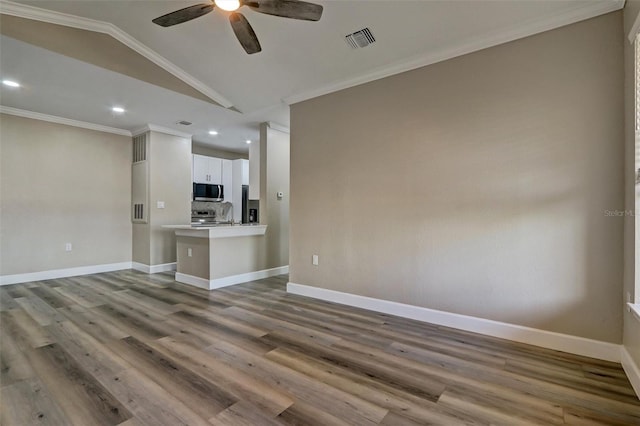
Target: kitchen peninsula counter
218, 231
217, 256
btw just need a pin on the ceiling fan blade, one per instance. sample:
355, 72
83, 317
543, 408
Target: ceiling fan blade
244, 33
294, 9
183, 15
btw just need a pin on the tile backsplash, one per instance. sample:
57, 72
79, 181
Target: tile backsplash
223, 211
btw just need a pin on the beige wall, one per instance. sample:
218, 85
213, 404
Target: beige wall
170, 181
250, 257
221, 257
631, 337
218, 153
197, 264
169, 160
141, 244
62, 184
274, 178
477, 185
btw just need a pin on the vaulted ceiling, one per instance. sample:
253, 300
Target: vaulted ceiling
197, 71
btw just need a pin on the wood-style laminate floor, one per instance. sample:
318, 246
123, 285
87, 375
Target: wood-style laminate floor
135, 349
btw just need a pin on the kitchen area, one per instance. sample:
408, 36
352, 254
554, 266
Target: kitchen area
238, 225
220, 192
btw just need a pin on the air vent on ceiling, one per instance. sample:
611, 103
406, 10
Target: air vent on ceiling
184, 123
361, 38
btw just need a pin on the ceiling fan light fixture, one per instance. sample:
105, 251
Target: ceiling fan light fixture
228, 5
293, 9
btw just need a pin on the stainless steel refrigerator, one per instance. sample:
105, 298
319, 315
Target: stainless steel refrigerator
245, 203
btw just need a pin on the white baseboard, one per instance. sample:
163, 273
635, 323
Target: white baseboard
231, 280
153, 269
631, 369
192, 280
62, 273
250, 276
546, 339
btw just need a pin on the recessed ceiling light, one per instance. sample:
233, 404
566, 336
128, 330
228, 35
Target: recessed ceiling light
10, 83
248, 141
228, 5
213, 132
119, 110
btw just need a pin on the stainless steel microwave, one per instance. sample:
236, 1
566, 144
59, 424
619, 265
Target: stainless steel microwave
207, 192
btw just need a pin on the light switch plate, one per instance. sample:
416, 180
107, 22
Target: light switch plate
160, 204
314, 260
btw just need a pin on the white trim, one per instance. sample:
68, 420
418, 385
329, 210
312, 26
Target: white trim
44, 15
518, 333
61, 120
231, 280
160, 129
518, 32
192, 280
634, 308
278, 127
635, 28
140, 267
631, 369
249, 276
153, 269
62, 273
164, 267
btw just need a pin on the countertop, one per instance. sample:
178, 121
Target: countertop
218, 230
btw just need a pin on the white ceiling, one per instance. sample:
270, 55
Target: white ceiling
299, 59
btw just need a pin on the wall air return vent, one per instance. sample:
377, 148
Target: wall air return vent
140, 148
360, 38
138, 212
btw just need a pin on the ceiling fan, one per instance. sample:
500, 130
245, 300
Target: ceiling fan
294, 9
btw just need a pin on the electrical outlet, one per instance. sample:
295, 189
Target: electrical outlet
315, 260
68, 247
189, 252
160, 204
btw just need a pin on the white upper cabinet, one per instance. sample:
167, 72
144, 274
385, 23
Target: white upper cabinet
245, 172
215, 171
200, 169
227, 180
207, 169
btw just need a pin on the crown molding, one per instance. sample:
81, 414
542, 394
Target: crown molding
521, 31
278, 127
44, 15
160, 129
61, 120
